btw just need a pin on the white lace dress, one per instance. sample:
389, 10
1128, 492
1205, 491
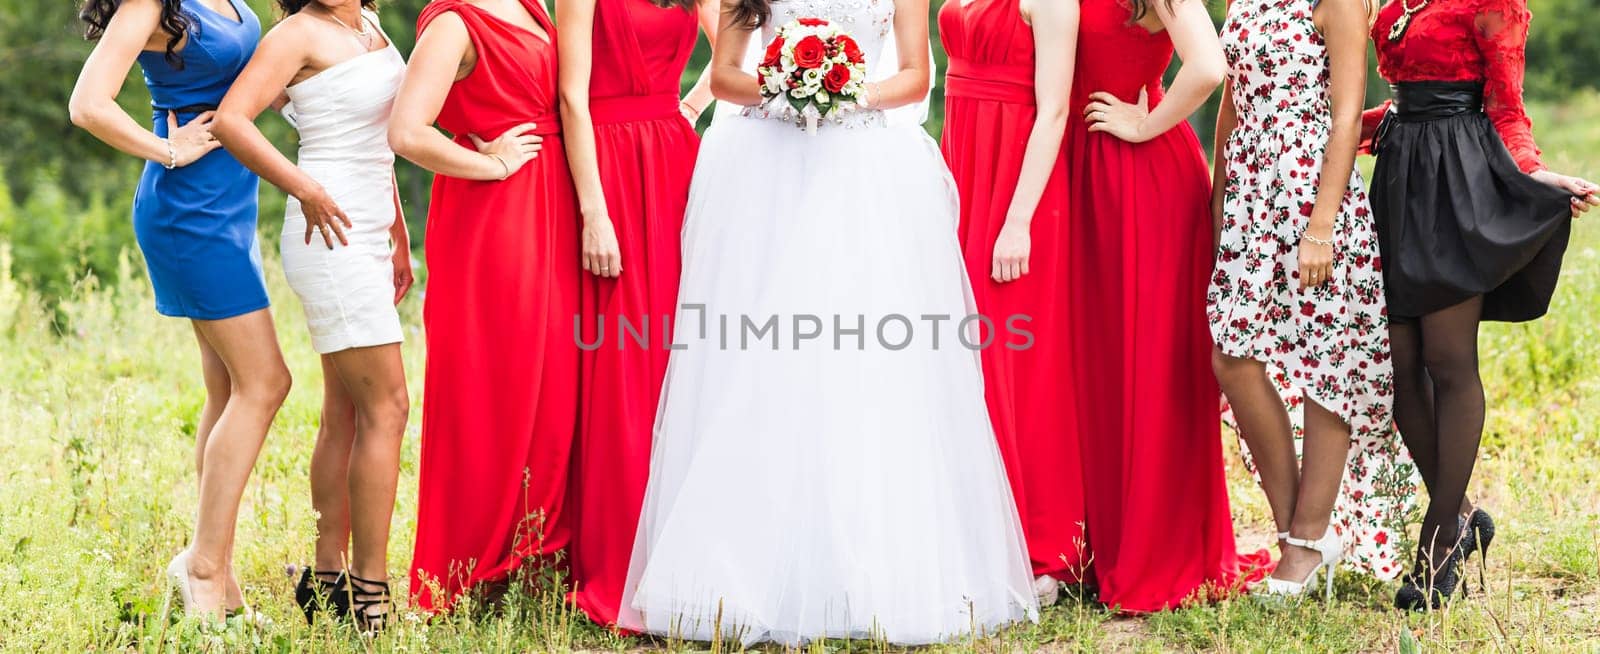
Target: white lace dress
824, 464
342, 115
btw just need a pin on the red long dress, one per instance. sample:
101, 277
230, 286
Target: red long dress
646, 155
500, 396
1139, 255
989, 113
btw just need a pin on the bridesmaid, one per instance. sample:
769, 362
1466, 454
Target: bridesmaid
1455, 156
499, 399
1139, 255
194, 214
1297, 294
1006, 96
631, 146
340, 72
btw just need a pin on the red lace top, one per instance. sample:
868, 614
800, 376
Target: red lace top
1464, 40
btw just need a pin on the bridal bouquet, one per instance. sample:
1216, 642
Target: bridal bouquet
815, 67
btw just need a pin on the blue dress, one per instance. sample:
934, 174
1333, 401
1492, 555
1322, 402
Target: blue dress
196, 225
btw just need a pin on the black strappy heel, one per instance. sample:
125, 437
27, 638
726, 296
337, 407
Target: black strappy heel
365, 601
315, 591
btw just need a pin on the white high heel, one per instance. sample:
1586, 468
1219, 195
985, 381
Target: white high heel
178, 582
1047, 590
1330, 546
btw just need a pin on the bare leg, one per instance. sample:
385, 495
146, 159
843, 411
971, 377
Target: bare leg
374, 380
218, 389
1264, 424
1322, 461
330, 462
248, 346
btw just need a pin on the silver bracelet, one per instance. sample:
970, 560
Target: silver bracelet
172, 155
1317, 241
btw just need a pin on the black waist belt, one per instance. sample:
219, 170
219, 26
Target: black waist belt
1424, 101
187, 109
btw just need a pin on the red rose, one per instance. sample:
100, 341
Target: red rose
836, 78
774, 52
809, 52
812, 22
852, 50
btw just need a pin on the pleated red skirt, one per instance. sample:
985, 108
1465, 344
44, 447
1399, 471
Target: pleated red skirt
1029, 391
1140, 256
645, 168
499, 407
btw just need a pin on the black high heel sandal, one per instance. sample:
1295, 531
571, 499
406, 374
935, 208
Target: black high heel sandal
1428, 592
1477, 538
365, 601
314, 592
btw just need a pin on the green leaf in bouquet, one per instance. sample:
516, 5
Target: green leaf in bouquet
799, 104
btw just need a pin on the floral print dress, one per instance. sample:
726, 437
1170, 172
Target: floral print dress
1329, 344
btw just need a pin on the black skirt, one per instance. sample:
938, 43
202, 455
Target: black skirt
1456, 218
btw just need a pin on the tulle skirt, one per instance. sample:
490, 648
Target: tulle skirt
824, 464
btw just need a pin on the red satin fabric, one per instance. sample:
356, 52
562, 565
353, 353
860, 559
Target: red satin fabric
989, 113
1138, 255
499, 400
646, 155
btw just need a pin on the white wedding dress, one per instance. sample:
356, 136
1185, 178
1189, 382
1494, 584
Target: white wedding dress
846, 484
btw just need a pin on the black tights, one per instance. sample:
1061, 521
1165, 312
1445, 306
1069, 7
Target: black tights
1439, 407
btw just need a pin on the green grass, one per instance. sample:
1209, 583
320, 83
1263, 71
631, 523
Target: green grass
96, 493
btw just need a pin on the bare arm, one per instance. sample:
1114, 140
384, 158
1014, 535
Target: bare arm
910, 84
575, 27
1194, 39
441, 51
699, 97
281, 55
1343, 24
1055, 33
93, 105
401, 239
1227, 119
729, 81
1344, 28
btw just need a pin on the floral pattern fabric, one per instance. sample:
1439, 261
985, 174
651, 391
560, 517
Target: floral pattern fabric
1329, 344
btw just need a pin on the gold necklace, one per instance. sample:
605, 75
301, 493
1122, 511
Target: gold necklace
1404, 21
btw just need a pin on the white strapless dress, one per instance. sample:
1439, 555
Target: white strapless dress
850, 485
342, 115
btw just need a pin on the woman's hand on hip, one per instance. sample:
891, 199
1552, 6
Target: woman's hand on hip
324, 217
514, 148
1106, 113
192, 140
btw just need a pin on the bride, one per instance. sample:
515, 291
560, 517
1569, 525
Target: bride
823, 463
